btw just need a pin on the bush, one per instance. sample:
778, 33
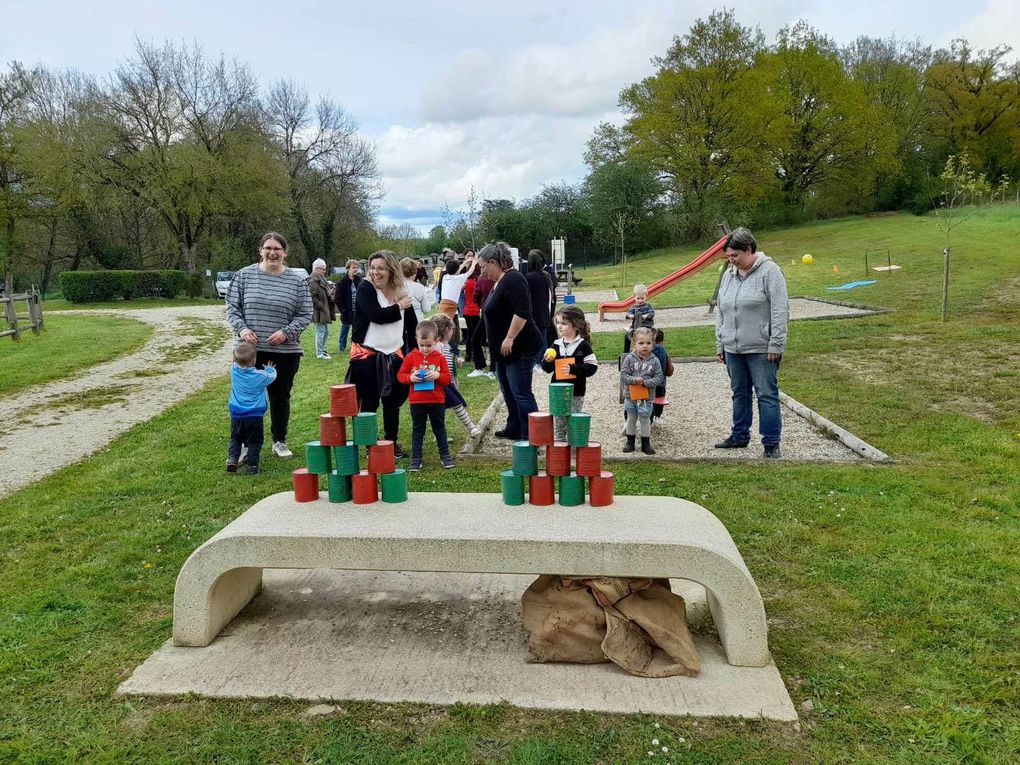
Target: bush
101, 286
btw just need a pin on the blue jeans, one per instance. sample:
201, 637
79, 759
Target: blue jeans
515, 384
344, 331
321, 333
749, 371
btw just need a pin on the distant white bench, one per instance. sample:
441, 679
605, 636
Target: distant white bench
473, 533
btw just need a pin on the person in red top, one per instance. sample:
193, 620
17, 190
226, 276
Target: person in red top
475, 328
425, 370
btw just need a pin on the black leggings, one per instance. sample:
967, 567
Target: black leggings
366, 380
476, 336
279, 392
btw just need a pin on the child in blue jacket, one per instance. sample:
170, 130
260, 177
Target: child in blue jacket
247, 406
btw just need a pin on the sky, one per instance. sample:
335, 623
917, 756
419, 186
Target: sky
496, 96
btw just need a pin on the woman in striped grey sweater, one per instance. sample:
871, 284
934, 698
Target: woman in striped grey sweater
269, 306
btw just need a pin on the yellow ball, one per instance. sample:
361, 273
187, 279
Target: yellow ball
807, 260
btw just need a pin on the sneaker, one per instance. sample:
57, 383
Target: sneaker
448, 461
506, 434
772, 452
231, 466
477, 373
243, 457
325, 357
415, 466
729, 443
491, 375
475, 432
280, 450
253, 470
401, 453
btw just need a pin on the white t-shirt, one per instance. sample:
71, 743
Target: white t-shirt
453, 285
421, 298
385, 338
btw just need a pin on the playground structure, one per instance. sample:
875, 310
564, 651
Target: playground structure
712, 254
34, 317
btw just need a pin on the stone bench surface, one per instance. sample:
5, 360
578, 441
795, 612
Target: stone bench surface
473, 533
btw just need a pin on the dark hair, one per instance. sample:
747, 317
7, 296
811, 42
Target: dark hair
576, 318
452, 266
427, 328
273, 235
659, 336
741, 239
536, 263
498, 253
244, 354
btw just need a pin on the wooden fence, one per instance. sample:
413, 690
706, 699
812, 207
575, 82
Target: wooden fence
32, 320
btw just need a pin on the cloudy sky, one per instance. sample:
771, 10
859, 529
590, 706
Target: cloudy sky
496, 95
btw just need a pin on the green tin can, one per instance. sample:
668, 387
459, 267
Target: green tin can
345, 459
578, 429
366, 428
339, 487
525, 460
571, 490
561, 399
513, 487
317, 458
394, 486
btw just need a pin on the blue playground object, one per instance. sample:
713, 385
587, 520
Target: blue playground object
851, 285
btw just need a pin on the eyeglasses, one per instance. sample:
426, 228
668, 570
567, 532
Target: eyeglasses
379, 268
272, 249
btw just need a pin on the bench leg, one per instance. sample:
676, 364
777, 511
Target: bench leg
223, 600
745, 635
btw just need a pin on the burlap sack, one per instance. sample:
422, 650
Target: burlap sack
564, 622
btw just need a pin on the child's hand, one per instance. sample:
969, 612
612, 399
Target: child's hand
641, 382
431, 375
270, 364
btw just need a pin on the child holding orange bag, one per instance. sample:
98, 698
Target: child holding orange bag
570, 359
640, 374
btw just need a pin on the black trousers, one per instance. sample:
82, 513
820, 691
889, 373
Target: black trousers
436, 415
476, 336
364, 377
246, 431
279, 392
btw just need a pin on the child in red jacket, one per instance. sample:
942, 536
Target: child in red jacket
426, 372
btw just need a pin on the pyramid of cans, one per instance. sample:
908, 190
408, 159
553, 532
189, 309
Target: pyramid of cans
542, 488
339, 459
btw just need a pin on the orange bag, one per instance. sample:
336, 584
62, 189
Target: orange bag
563, 369
638, 392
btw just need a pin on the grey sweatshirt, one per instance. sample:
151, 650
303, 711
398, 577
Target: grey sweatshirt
753, 311
633, 369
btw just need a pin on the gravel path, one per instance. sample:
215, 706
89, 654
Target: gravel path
698, 315
699, 415
61, 422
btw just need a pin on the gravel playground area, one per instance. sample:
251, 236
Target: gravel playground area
698, 416
60, 423
698, 315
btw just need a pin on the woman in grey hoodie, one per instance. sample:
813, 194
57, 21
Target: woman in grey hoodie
750, 337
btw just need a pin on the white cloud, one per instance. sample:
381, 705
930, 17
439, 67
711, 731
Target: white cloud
998, 24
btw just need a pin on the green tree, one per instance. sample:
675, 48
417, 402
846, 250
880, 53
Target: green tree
829, 143
15, 85
701, 120
962, 188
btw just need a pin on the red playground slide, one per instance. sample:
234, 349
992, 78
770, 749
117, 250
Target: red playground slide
713, 253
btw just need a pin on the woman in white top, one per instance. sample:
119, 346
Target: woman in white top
381, 318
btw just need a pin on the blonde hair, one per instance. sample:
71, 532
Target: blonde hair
408, 267
642, 331
444, 324
395, 280
244, 354
639, 288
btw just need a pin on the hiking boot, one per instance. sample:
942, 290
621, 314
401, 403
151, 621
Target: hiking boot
646, 445
772, 452
629, 446
729, 443
280, 450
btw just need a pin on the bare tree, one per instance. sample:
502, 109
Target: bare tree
332, 173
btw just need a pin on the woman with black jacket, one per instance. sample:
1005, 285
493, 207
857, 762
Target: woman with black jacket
543, 295
343, 296
382, 315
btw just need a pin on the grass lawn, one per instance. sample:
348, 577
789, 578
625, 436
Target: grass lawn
59, 304
891, 590
66, 346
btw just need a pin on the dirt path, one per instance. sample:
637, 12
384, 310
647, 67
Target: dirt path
62, 422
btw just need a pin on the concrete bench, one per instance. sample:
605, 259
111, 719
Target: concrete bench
473, 533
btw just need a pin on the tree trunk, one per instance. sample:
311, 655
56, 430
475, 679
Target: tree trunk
9, 271
945, 284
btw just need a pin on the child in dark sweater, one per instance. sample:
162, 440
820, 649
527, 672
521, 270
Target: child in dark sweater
574, 343
423, 365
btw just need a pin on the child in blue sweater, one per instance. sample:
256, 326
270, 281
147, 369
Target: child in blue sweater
247, 406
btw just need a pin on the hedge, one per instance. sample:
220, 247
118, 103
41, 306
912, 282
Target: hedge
101, 286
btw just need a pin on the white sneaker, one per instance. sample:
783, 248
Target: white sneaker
244, 456
324, 356
491, 375
280, 450
475, 432
477, 373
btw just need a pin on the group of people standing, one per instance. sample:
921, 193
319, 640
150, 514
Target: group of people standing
513, 313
